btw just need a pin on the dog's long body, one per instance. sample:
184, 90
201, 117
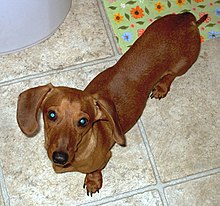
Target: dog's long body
82, 126
167, 49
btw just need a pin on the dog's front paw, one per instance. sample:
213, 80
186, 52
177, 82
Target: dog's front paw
93, 182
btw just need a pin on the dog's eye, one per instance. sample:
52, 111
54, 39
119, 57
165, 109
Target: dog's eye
52, 115
83, 122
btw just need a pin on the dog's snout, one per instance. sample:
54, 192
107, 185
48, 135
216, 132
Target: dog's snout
60, 158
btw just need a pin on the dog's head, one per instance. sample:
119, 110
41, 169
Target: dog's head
69, 118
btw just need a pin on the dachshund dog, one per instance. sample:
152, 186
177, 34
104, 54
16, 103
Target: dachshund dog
81, 127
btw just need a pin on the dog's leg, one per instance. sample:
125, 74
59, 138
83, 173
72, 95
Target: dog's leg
162, 87
93, 182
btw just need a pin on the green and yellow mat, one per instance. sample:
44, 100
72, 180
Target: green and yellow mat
130, 18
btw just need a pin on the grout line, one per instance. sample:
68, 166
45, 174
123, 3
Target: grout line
180, 180
161, 186
108, 28
158, 187
149, 153
120, 196
4, 192
188, 178
152, 162
56, 71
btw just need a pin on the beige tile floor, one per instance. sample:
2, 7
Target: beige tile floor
173, 153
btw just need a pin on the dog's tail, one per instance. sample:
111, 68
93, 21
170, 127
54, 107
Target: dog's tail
201, 20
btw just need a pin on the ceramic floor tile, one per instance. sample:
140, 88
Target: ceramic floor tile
183, 129
4, 199
81, 38
202, 192
130, 165
147, 199
1, 200
28, 172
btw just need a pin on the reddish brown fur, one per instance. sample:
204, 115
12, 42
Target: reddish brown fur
114, 100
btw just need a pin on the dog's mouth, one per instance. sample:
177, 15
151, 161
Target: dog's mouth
62, 166
67, 165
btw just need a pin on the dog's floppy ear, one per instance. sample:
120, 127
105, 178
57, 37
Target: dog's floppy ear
107, 111
28, 106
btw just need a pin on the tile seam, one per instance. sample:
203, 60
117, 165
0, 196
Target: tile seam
108, 28
181, 180
120, 196
148, 149
161, 186
161, 192
191, 177
56, 71
150, 155
4, 191
156, 187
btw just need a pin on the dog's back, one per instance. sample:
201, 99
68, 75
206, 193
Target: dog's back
171, 43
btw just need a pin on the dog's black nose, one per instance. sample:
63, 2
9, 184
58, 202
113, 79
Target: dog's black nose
60, 158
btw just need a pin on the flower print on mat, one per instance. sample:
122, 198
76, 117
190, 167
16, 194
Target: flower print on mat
118, 18
137, 12
129, 18
213, 34
180, 2
159, 7
140, 32
127, 36
217, 11
198, 1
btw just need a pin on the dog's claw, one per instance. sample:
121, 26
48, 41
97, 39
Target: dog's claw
91, 193
152, 95
156, 96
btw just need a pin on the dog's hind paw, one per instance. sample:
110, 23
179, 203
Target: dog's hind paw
159, 91
162, 87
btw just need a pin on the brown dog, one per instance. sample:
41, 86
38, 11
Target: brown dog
82, 126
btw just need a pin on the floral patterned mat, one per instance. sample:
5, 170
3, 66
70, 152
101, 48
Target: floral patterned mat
129, 18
